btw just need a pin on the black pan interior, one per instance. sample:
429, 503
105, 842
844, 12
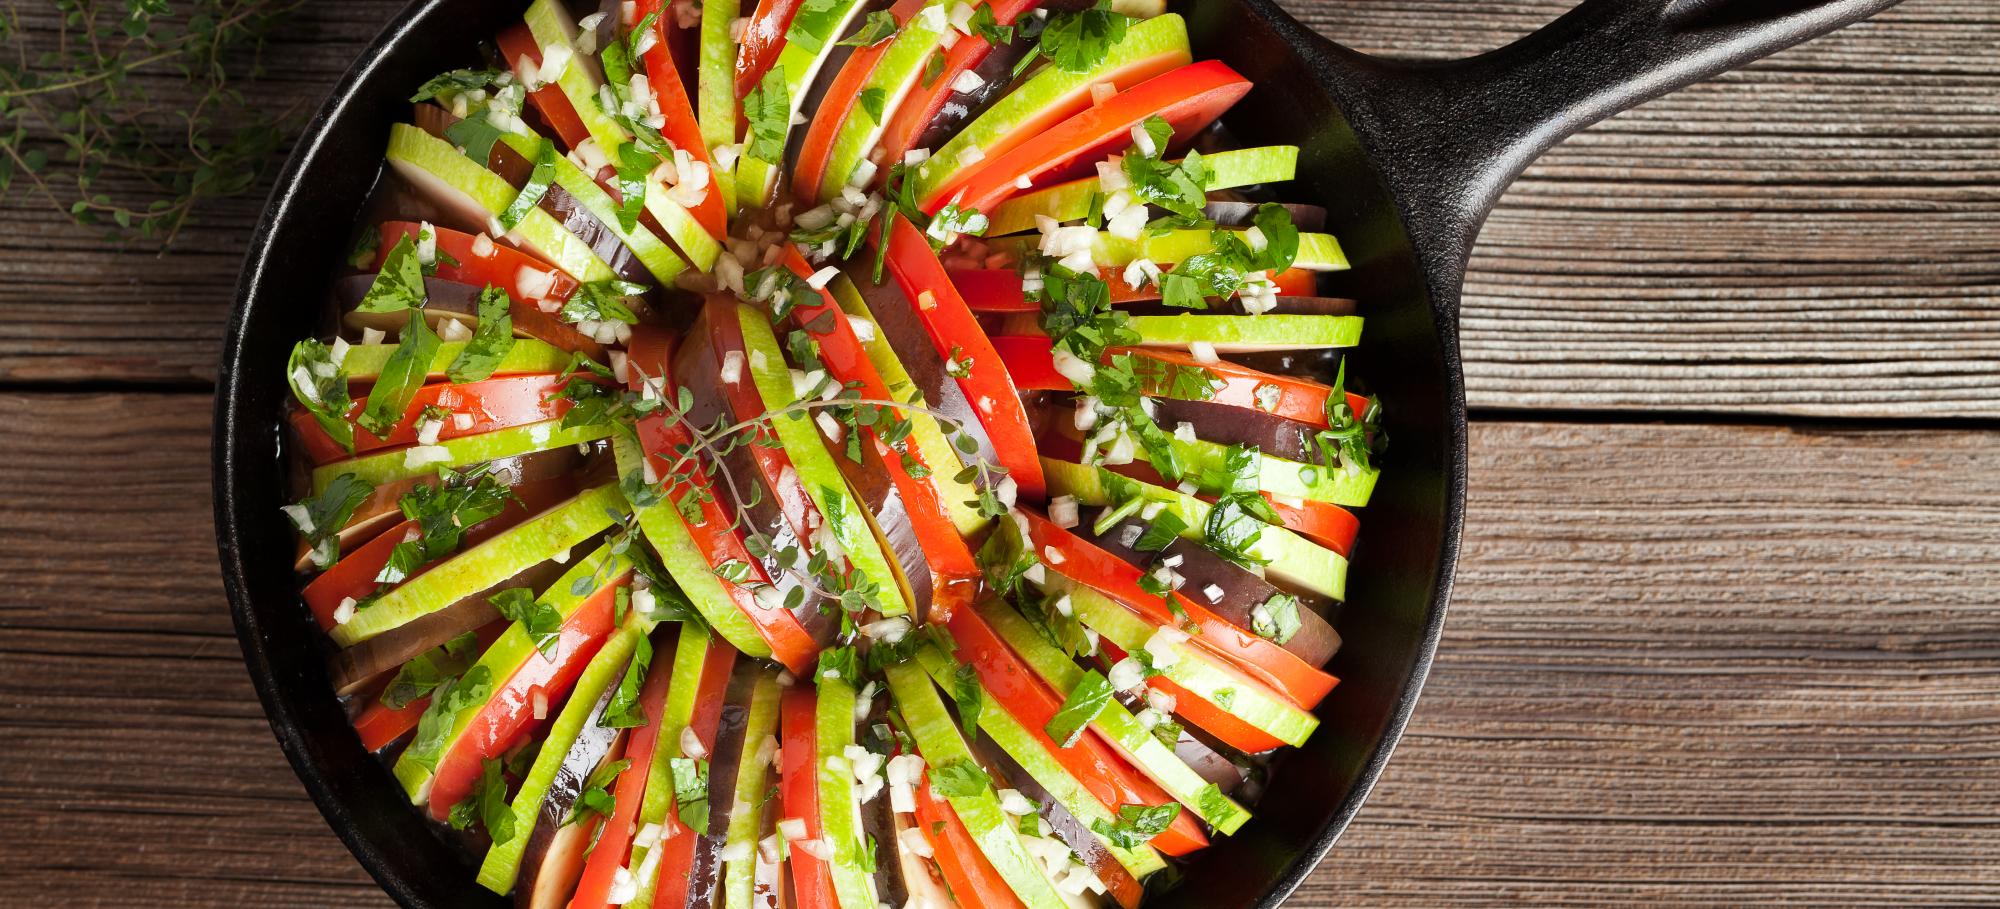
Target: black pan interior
1403, 559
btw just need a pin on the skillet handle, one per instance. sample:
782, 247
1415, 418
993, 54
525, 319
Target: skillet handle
1451, 136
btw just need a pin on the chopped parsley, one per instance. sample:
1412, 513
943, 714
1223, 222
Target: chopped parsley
880, 26
434, 728
455, 82
486, 805
768, 110
402, 375
541, 622
320, 518
1076, 42
1137, 824
691, 792
1088, 699
400, 283
490, 341
602, 301
537, 186
1276, 618
597, 797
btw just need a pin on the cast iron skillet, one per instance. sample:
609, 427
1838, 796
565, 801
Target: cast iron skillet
1407, 158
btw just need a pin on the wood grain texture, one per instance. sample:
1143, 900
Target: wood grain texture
1688, 665
1816, 234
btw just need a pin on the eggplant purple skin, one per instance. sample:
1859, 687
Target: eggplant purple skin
1066, 827
555, 846
704, 889
742, 484
896, 318
870, 481
1228, 424
1242, 590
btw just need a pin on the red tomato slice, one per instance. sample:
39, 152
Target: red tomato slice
651, 353
681, 128
509, 269
1189, 98
491, 404
670, 883
973, 880
1202, 714
1093, 763
1271, 665
956, 334
926, 99
516, 43
763, 39
798, 794
354, 575
1324, 523
509, 711
999, 289
956, 574
593, 889
835, 108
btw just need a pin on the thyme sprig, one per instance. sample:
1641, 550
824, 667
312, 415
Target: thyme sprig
87, 123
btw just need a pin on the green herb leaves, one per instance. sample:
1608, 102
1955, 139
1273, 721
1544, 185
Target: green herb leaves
401, 376
426, 671
602, 301
959, 779
320, 385
597, 797
880, 26
624, 710
1076, 42
400, 283
320, 518
537, 186
435, 727
1137, 824
540, 621
486, 805
768, 110
1276, 618
1088, 699
458, 81
491, 341
691, 792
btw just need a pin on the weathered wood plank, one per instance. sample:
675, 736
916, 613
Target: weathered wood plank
1814, 235
1689, 665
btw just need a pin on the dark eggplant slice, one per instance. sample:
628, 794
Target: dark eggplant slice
1119, 884
872, 484
553, 859
517, 170
896, 318
705, 874
443, 300
352, 669
878, 822
1240, 590
1242, 214
1227, 424
1319, 364
741, 481
996, 76
1285, 306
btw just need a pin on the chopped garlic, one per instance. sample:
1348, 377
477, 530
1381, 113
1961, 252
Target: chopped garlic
1203, 352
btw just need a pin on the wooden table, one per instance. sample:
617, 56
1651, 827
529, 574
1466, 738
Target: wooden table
1727, 629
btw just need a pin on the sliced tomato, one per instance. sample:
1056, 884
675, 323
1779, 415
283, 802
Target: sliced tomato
379, 725
1324, 523
999, 289
1270, 664
516, 43
681, 128
495, 264
763, 39
354, 575
670, 883
1095, 764
1030, 361
956, 334
1188, 98
593, 889
926, 99
510, 711
836, 106
488, 405
955, 573
1200, 713
798, 794
973, 880
651, 355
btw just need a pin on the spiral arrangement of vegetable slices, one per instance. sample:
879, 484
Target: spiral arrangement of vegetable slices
829, 454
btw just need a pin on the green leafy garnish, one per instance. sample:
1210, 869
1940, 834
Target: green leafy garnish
320, 518
1161, 533
602, 301
634, 165
430, 669
1233, 529
624, 710
434, 728
1076, 42
490, 341
987, 26
537, 186
1088, 699
597, 797
691, 791
455, 82
541, 622
971, 699
1137, 824
1276, 618
871, 101
768, 110
402, 375
400, 283
960, 778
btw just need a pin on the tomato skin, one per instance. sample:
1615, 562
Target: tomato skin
953, 327
517, 42
951, 563
798, 793
593, 889
1269, 664
509, 711
491, 404
925, 100
681, 128
502, 266
1188, 98
837, 106
973, 880
1090, 760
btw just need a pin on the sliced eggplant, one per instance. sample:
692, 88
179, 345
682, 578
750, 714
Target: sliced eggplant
1237, 590
740, 476
1227, 424
1319, 364
996, 76
896, 318
553, 859
1119, 884
1243, 214
704, 890
1284, 306
878, 822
